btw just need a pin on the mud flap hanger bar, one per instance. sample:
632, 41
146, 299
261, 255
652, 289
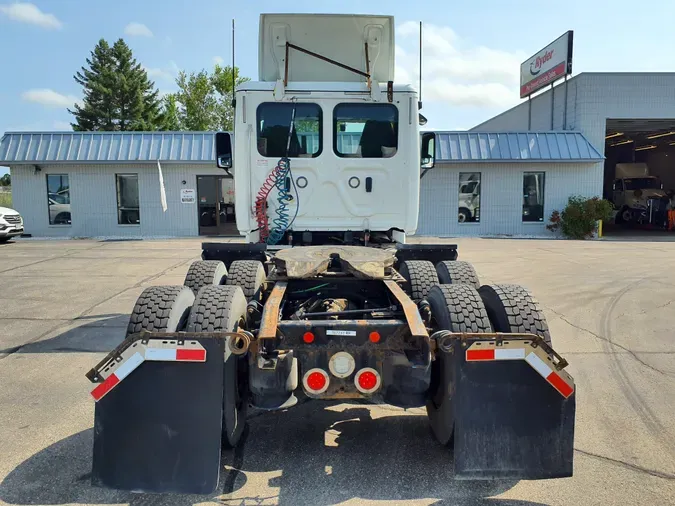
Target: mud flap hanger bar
498, 346
149, 346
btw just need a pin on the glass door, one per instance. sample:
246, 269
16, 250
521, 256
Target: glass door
215, 195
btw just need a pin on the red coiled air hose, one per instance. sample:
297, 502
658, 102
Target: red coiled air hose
261, 203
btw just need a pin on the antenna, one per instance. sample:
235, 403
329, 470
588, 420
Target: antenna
419, 103
233, 73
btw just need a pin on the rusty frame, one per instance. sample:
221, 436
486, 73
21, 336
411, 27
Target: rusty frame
412, 314
271, 311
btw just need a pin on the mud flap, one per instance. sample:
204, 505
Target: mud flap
510, 422
159, 429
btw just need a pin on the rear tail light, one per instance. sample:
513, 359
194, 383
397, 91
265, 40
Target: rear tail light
367, 380
316, 381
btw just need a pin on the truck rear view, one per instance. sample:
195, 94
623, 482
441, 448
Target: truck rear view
326, 158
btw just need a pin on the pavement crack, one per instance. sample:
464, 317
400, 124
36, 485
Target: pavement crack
606, 339
64, 323
71, 252
628, 465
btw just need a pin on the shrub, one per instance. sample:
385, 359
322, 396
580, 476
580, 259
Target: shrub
5, 199
578, 219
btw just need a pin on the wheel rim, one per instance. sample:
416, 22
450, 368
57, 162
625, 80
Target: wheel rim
462, 217
627, 215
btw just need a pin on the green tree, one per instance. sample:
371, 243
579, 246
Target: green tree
6, 180
205, 99
198, 102
225, 86
117, 92
171, 113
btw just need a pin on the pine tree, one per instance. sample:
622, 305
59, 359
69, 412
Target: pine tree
98, 110
117, 92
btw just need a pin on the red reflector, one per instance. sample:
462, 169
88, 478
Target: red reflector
374, 337
480, 354
308, 337
105, 387
367, 380
316, 381
558, 383
191, 355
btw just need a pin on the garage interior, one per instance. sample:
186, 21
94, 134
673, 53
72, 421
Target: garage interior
643, 190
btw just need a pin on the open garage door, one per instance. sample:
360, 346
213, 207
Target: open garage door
640, 174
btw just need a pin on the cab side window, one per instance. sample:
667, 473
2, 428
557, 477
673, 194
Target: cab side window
277, 139
365, 130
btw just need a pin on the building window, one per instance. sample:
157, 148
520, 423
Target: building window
128, 209
274, 125
533, 196
469, 197
58, 199
365, 130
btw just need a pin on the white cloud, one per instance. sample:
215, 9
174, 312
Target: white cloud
29, 13
49, 98
158, 73
456, 72
137, 30
218, 60
167, 74
61, 125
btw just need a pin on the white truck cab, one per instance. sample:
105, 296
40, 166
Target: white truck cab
326, 105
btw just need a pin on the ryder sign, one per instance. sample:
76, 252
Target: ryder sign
547, 66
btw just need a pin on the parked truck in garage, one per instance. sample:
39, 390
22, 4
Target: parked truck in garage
632, 189
325, 300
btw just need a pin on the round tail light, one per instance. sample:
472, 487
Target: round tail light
367, 380
316, 381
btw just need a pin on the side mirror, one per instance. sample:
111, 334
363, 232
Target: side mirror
223, 150
427, 155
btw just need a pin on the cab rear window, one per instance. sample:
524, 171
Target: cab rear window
275, 137
365, 130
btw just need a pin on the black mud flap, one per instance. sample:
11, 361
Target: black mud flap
510, 422
159, 429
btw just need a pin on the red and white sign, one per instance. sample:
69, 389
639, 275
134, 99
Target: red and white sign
547, 66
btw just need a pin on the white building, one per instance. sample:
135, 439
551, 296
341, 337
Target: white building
628, 117
504, 177
107, 184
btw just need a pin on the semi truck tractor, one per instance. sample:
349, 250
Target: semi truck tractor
632, 189
325, 299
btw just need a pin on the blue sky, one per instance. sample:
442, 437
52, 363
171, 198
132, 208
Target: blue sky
472, 49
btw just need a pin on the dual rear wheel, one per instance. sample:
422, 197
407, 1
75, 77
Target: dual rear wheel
212, 300
459, 303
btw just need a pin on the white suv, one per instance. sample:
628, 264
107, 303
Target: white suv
11, 223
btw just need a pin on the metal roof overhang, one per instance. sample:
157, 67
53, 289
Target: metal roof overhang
31, 148
518, 147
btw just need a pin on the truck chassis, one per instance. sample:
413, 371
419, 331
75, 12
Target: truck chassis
409, 326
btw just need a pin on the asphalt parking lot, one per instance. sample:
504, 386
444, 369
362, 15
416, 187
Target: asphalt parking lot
610, 305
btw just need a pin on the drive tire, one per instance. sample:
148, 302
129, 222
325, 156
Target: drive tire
457, 308
463, 215
249, 275
161, 309
457, 273
420, 275
223, 309
205, 272
511, 308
